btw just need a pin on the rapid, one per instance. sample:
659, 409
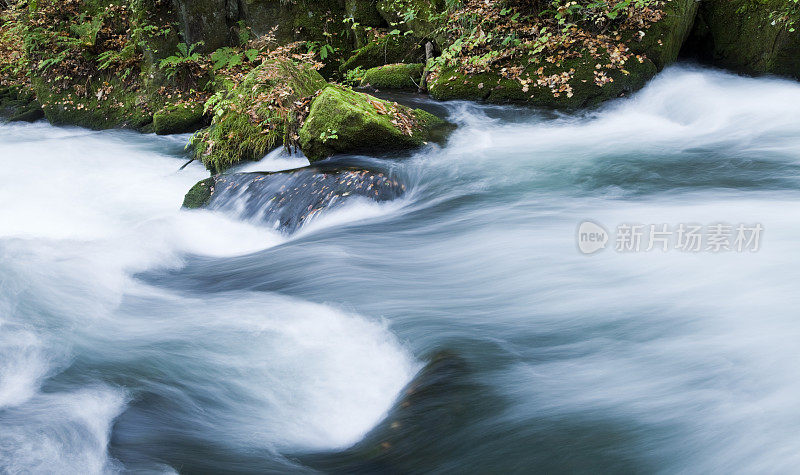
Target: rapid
135, 335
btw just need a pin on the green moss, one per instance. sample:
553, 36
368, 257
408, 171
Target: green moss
19, 105
451, 84
394, 76
104, 106
388, 50
247, 123
583, 91
345, 121
200, 194
178, 119
663, 40
154, 32
741, 35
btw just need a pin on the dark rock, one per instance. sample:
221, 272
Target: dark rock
286, 200
434, 406
742, 35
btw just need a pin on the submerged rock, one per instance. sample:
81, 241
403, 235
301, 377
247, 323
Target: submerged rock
345, 121
434, 406
286, 200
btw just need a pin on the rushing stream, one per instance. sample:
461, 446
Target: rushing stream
138, 336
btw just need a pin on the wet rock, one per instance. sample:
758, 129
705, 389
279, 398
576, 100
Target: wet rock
434, 406
200, 194
286, 200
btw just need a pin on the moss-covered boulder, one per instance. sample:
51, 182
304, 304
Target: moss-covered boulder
344, 121
387, 50
570, 83
256, 115
18, 104
750, 36
577, 67
103, 105
394, 76
200, 194
178, 118
661, 41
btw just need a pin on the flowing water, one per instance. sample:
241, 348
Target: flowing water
138, 336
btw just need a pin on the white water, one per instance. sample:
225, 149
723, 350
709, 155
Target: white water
645, 362
82, 213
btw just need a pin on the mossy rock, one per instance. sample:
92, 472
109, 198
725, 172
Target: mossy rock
178, 119
662, 40
19, 105
582, 90
394, 76
205, 20
388, 50
106, 105
740, 35
200, 194
344, 121
246, 125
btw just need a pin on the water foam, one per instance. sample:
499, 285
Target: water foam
84, 213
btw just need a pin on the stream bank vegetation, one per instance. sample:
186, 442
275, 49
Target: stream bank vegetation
249, 75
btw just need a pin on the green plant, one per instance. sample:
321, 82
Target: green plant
788, 16
329, 134
182, 64
227, 57
322, 49
354, 76
86, 30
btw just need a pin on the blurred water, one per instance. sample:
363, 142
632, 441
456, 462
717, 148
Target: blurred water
135, 336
